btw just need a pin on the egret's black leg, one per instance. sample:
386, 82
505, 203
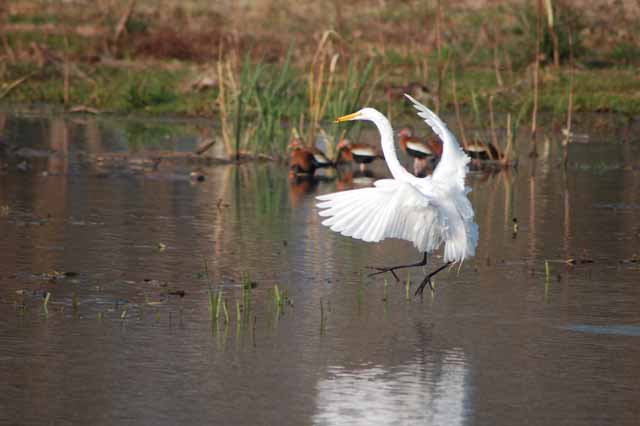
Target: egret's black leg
427, 279
392, 269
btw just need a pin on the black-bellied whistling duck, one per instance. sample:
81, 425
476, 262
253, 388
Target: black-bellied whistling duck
300, 159
424, 152
478, 150
360, 153
320, 159
304, 160
419, 148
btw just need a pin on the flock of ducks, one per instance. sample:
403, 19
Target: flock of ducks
424, 152
305, 160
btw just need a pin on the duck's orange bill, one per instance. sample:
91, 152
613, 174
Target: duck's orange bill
347, 117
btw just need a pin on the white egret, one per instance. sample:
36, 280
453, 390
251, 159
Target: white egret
427, 211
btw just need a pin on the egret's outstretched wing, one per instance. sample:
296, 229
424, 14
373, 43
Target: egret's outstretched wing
453, 164
391, 209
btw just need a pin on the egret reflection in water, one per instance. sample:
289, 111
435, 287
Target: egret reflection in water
420, 392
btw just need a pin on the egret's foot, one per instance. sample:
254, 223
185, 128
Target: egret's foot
423, 284
427, 280
382, 270
392, 269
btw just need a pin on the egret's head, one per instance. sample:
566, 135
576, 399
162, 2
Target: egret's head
363, 114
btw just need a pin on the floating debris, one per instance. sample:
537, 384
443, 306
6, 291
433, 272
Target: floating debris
54, 275
575, 137
197, 176
579, 261
205, 146
83, 109
633, 259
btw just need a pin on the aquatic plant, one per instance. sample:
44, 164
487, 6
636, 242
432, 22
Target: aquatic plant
277, 297
407, 287
225, 311
255, 104
218, 304
276, 101
546, 270
45, 303
385, 290
346, 96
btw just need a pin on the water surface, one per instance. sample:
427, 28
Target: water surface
128, 335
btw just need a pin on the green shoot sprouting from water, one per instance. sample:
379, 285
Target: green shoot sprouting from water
45, 303
407, 288
546, 270
218, 304
386, 285
226, 311
278, 297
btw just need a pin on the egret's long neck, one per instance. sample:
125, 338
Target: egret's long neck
388, 148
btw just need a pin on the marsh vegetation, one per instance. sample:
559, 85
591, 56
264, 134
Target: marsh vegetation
263, 68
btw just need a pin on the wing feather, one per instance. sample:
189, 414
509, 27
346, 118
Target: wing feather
391, 209
453, 164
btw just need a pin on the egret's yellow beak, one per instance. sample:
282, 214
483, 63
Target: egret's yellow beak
347, 117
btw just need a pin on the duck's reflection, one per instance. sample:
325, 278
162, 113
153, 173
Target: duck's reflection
422, 391
300, 186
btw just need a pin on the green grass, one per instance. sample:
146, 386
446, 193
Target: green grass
273, 96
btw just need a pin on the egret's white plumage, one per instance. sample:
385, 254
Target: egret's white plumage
427, 211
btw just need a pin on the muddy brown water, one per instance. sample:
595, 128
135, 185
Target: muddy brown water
127, 336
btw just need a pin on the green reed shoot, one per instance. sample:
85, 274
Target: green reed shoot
45, 302
407, 288
238, 313
346, 97
211, 299
226, 311
546, 270
218, 304
275, 101
277, 295
386, 285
